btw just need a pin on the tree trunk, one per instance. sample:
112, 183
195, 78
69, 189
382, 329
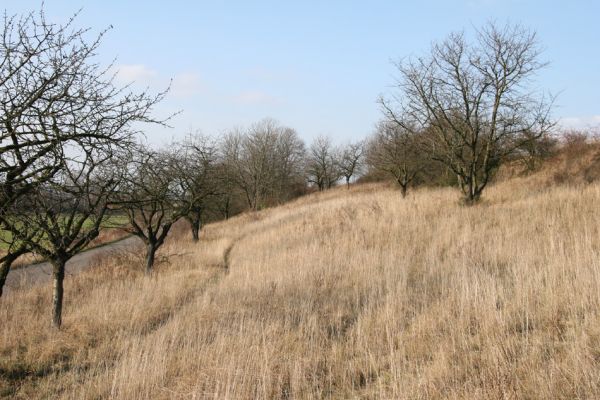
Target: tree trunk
195, 222
227, 205
403, 182
473, 198
473, 195
348, 182
58, 274
195, 231
5, 268
469, 189
150, 253
403, 189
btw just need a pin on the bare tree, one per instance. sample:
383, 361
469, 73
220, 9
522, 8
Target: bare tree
247, 175
63, 215
475, 101
322, 164
229, 200
265, 161
152, 197
351, 160
196, 174
56, 102
289, 165
395, 151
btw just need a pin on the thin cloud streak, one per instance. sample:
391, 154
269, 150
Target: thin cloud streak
581, 122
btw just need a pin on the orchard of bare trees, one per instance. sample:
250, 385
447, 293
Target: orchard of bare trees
72, 154
63, 118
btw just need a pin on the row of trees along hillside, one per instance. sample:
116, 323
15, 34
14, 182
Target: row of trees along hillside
71, 157
62, 120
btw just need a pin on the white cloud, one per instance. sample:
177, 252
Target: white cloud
269, 75
183, 84
255, 97
186, 84
582, 122
138, 73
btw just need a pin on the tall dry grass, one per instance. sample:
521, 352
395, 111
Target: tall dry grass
345, 294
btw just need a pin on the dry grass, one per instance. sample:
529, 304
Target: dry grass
339, 295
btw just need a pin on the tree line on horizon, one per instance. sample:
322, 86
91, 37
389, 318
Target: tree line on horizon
72, 154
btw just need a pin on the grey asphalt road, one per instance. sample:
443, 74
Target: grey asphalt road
42, 272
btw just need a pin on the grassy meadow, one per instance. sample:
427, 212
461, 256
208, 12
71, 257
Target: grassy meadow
339, 295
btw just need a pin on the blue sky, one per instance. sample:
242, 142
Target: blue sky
317, 66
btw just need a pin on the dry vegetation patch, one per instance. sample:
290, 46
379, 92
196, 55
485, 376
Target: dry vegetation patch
343, 294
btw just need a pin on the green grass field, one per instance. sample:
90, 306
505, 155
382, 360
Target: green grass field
112, 222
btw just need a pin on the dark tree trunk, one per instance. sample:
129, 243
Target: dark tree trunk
348, 182
195, 231
227, 205
469, 189
195, 223
150, 253
58, 274
5, 268
473, 193
472, 198
403, 182
403, 189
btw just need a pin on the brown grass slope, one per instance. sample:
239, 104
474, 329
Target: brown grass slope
345, 294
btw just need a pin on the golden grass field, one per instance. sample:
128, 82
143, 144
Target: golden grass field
339, 295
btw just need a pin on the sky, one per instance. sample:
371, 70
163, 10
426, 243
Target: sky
316, 66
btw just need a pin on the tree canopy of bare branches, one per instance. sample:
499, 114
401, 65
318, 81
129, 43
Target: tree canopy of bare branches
152, 196
265, 162
55, 99
395, 151
322, 164
197, 174
475, 100
351, 159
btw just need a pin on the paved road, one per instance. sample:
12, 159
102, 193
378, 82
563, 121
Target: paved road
42, 272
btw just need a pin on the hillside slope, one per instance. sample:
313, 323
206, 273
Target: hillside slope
345, 294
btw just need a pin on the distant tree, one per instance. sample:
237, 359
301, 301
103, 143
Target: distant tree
536, 150
350, 160
289, 162
195, 169
474, 99
396, 151
248, 171
151, 197
229, 200
264, 161
322, 164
